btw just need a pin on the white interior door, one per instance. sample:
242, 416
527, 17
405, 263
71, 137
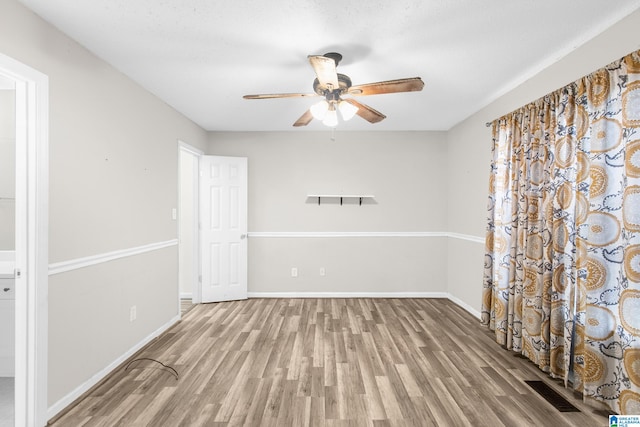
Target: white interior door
223, 228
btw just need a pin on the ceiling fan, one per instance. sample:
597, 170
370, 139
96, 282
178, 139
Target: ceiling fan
332, 86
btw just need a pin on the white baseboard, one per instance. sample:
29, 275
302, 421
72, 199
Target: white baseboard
91, 382
464, 305
446, 295
347, 295
343, 234
186, 295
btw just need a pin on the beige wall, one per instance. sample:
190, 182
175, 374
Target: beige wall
403, 170
113, 184
469, 154
354, 266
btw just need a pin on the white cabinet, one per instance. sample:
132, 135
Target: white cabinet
7, 327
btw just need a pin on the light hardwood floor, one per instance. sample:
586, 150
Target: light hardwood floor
185, 306
326, 362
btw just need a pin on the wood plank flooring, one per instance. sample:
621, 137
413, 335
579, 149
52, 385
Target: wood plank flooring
326, 362
185, 305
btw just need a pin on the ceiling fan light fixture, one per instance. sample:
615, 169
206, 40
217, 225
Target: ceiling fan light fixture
347, 110
330, 85
331, 118
319, 110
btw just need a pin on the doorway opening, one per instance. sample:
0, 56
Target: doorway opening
7, 248
188, 234
29, 266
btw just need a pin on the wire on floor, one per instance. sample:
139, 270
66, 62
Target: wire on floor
153, 360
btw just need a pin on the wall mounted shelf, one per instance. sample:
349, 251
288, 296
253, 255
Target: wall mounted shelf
341, 197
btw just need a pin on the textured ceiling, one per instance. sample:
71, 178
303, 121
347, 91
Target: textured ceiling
201, 56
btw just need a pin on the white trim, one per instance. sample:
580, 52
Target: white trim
190, 148
467, 237
186, 295
186, 149
321, 234
307, 234
464, 305
74, 264
99, 376
348, 295
32, 234
446, 295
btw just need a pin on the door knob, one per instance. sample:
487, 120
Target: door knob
243, 236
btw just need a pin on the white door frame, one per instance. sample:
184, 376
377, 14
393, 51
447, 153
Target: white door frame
195, 263
32, 245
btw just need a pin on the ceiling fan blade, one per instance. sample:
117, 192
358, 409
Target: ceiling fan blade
366, 112
279, 95
389, 86
305, 119
325, 69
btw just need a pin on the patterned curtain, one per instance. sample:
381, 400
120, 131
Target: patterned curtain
562, 265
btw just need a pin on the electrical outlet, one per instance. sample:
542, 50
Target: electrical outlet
323, 272
132, 313
294, 272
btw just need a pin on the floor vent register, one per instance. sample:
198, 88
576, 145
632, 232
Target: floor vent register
552, 396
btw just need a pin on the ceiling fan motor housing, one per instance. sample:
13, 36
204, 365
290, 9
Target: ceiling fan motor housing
335, 56
344, 84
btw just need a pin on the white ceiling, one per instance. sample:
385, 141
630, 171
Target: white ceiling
201, 56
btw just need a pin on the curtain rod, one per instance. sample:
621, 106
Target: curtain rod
487, 124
